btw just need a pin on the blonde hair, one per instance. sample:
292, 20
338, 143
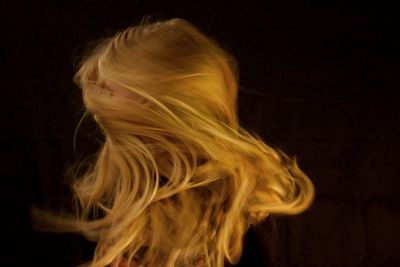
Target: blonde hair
176, 174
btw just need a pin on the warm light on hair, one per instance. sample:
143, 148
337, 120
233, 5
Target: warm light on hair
177, 181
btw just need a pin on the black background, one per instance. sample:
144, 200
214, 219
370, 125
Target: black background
319, 81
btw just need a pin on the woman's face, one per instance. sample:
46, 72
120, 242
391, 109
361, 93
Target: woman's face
119, 92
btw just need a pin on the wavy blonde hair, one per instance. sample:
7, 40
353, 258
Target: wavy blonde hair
177, 181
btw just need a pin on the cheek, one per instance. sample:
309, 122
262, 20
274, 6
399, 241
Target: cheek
117, 91
121, 93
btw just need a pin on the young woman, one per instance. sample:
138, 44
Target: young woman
177, 181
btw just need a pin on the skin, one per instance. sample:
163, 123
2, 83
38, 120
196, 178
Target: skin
118, 92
